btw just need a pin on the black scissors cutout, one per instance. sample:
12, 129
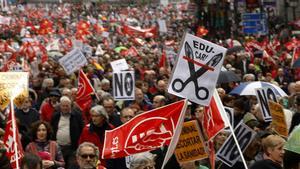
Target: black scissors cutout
202, 93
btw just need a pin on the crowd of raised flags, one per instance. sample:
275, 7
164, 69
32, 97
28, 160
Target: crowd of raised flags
78, 42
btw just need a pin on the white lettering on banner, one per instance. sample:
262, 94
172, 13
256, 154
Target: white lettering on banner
203, 60
73, 61
228, 153
263, 96
123, 85
115, 148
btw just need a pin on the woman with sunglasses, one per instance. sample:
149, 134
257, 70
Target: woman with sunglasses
46, 149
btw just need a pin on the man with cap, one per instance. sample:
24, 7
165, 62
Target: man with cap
49, 105
94, 132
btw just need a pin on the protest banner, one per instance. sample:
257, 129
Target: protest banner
13, 85
190, 146
263, 95
228, 153
146, 131
72, 61
203, 60
214, 117
278, 119
123, 85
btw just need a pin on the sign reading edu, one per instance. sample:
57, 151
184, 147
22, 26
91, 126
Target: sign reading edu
255, 23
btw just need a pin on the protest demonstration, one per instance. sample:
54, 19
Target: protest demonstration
149, 84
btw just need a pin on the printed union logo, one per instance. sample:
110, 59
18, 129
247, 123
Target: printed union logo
143, 139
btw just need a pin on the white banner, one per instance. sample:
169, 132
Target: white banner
73, 61
162, 26
203, 60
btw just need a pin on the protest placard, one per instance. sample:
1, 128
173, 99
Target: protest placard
73, 61
13, 85
162, 25
190, 146
123, 85
203, 60
263, 96
278, 119
119, 65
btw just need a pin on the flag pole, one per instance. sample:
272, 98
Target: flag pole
14, 133
233, 134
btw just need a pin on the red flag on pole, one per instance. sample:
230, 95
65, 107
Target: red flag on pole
147, 131
214, 115
85, 89
162, 60
12, 140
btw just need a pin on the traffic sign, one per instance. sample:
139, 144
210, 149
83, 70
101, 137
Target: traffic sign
254, 23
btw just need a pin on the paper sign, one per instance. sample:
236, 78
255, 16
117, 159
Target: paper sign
13, 85
228, 153
119, 65
278, 119
105, 34
230, 113
263, 96
123, 85
73, 61
190, 146
162, 26
197, 69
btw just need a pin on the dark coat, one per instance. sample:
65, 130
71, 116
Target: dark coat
76, 126
265, 164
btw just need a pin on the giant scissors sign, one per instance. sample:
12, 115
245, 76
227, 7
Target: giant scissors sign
203, 61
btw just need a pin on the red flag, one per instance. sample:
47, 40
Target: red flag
146, 131
12, 141
162, 60
85, 89
214, 115
10, 63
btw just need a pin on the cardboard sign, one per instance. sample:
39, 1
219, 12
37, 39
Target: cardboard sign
123, 85
13, 85
119, 65
263, 96
228, 153
190, 146
230, 113
278, 119
73, 61
197, 69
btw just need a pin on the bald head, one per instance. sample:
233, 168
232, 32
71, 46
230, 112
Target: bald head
159, 101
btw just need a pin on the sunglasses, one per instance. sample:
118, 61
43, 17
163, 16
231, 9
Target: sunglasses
85, 156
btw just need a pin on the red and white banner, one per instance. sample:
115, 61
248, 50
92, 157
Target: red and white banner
134, 31
146, 131
214, 119
12, 141
85, 89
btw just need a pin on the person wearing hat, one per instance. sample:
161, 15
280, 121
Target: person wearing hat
49, 105
94, 131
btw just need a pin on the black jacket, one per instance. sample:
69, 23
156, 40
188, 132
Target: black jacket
76, 126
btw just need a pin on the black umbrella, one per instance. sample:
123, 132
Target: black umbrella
228, 76
296, 64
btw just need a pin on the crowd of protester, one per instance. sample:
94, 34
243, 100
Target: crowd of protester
58, 134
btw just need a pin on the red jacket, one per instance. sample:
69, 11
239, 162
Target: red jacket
89, 135
46, 111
